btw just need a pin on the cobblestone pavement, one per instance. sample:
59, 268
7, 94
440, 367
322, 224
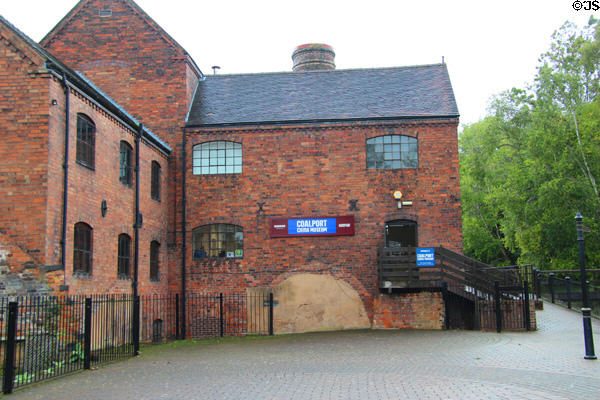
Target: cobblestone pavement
377, 364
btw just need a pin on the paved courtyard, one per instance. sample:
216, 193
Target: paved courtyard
547, 364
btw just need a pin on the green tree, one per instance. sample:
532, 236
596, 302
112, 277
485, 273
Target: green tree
533, 162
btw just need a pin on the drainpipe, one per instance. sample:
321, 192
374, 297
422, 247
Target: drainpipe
183, 230
138, 221
63, 238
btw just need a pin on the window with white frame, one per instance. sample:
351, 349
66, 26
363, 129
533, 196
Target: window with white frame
392, 152
218, 157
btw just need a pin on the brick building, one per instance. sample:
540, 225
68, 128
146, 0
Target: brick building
290, 182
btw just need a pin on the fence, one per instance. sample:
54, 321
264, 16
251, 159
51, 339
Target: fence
506, 307
45, 337
559, 287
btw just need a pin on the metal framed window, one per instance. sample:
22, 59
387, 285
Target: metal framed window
218, 157
125, 163
86, 141
218, 241
82, 248
124, 257
154, 261
392, 152
155, 181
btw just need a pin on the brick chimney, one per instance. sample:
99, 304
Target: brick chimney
312, 57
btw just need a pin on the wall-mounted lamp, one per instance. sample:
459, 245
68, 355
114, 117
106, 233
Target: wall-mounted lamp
54, 102
399, 202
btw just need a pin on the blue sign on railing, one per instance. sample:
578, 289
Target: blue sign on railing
425, 257
311, 226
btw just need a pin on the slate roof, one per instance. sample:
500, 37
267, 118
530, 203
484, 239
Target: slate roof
78, 80
422, 91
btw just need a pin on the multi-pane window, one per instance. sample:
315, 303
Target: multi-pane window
155, 181
219, 157
124, 257
154, 260
392, 152
218, 240
82, 248
86, 141
125, 163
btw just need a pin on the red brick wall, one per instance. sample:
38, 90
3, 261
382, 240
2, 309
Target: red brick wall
87, 189
24, 111
315, 170
423, 310
132, 60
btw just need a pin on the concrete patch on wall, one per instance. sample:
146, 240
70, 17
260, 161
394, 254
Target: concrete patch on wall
310, 302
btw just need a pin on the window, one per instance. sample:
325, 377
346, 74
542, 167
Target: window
154, 263
124, 257
219, 157
86, 141
218, 240
125, 163
155, 181
392, 152
82, 249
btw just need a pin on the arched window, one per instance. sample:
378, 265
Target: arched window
86, 141
154, 260
82, 248
219, 157
155, 181
124, 257
125, 163
401, 233
392, 152
218, 241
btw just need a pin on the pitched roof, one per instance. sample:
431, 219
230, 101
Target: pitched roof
79, 81
422, 91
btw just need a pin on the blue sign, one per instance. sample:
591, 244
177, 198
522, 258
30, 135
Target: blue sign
311, 226
426, 257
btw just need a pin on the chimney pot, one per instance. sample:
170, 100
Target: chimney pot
313, 56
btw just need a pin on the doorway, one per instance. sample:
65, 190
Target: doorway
401, 233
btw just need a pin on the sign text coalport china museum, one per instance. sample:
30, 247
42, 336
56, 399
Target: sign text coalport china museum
312, 226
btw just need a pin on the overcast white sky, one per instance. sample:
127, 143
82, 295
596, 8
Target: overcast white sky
489, 46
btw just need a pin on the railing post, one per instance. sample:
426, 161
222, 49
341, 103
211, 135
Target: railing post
9, 351
568, 279
87, 334
551, 285
538, 285
177, 316
271, 314
477, 316
136, 325
221, 314
498, 306
526, 309
446, 305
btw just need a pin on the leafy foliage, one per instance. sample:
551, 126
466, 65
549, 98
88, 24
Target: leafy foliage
534, 161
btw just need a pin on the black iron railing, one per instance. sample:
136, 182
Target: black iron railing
45, 337
561, 288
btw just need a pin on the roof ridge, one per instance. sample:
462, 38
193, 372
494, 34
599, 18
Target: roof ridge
328, 71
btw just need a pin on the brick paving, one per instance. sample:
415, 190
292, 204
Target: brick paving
375, 364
